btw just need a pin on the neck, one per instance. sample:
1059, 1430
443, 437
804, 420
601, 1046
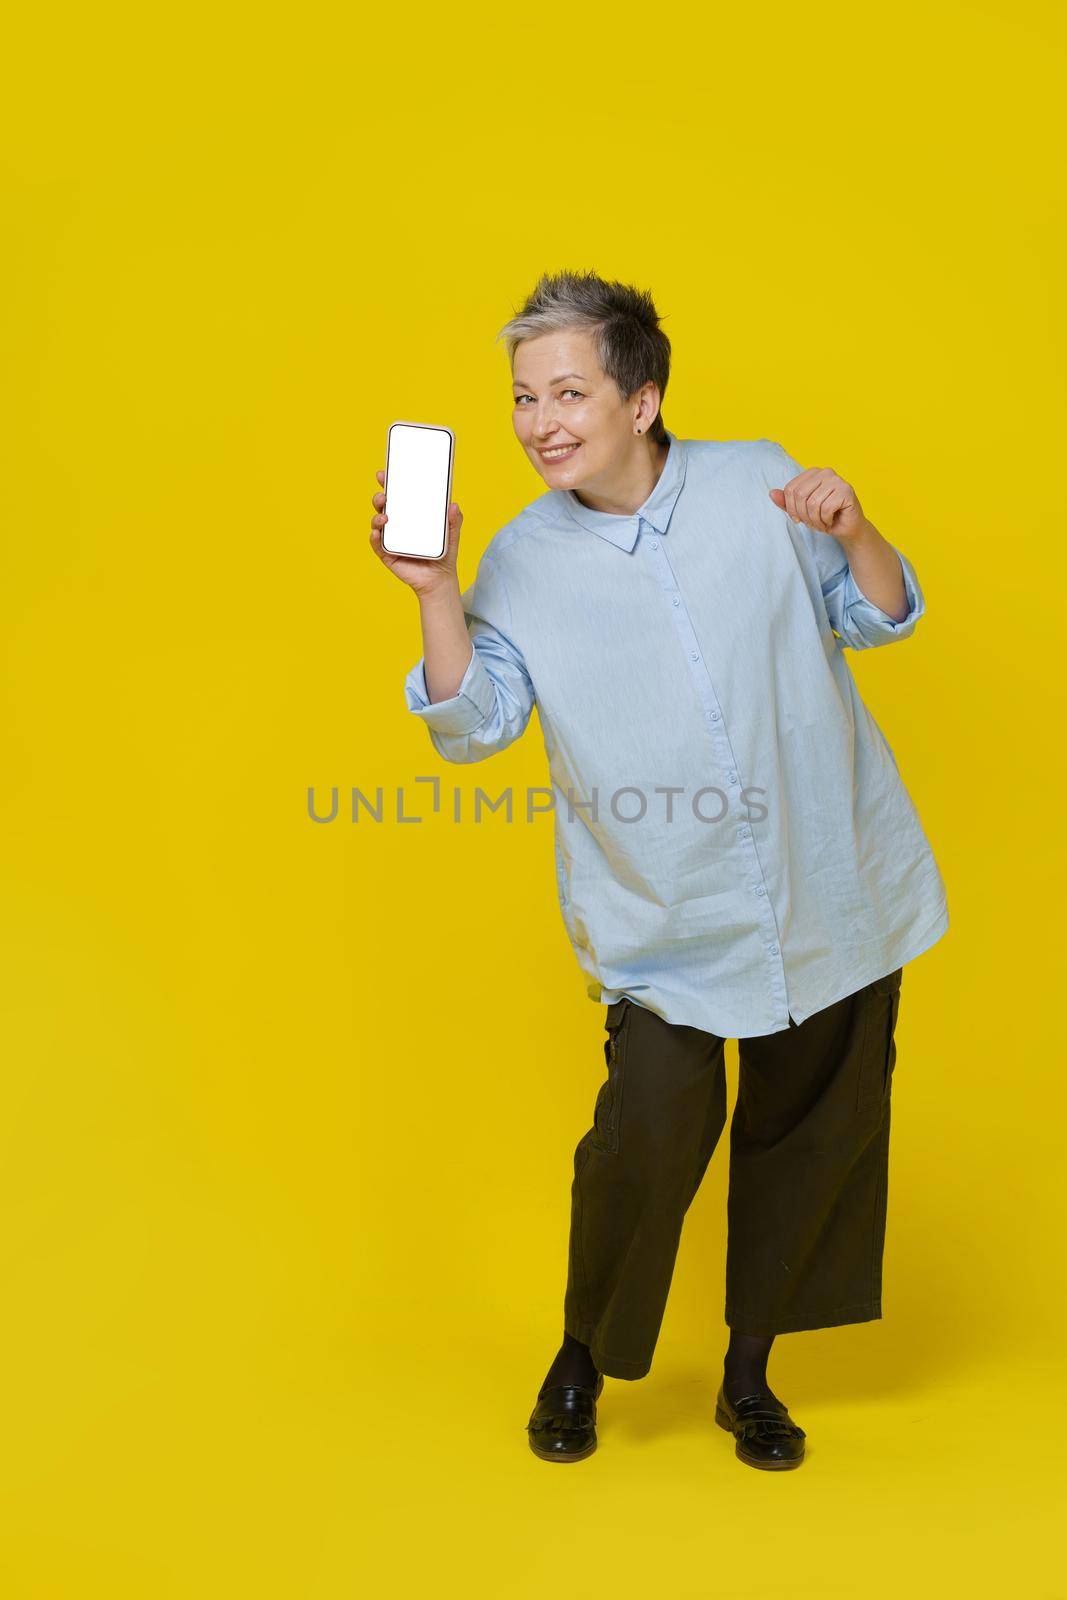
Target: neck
632, 485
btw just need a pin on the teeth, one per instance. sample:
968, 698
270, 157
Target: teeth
550, 455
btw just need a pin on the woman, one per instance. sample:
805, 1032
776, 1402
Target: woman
737, 856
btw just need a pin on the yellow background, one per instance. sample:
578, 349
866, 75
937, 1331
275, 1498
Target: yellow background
290, 1109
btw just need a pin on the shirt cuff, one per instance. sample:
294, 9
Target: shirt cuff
471, 705
856, 603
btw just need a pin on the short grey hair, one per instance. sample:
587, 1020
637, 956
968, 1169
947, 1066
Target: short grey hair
631, 346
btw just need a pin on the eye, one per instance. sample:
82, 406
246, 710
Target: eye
578, 392
519, 397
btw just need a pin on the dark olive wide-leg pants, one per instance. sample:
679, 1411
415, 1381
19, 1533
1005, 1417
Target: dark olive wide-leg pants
809, 1159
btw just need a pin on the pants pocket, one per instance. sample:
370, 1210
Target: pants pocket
608, 1110
878, 1055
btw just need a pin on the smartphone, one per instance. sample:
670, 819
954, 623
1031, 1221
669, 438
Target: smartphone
418, 489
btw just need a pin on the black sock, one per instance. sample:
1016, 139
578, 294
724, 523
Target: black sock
573, 1364
745, 1367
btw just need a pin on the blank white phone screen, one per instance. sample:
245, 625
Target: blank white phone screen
416, 487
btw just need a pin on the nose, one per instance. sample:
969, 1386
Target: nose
545, 426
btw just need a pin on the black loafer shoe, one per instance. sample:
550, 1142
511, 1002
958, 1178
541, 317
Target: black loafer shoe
766, 1434
563, 1424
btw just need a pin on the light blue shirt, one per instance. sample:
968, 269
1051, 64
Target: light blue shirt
698, 647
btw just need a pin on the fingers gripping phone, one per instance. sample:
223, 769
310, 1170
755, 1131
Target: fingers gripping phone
418, 489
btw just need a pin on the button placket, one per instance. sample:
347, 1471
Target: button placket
717, 728
687, 633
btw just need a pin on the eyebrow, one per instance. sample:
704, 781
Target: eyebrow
517, 384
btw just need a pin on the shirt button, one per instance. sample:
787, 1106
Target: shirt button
693, 656
655, 544
744, 833
714, 715
760, 889
774, 949
676, 601
733, 777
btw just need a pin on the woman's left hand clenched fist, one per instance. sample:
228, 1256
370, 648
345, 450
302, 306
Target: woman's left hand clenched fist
823, 501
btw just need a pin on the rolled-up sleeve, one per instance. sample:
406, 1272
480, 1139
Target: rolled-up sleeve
495, 697
857, 621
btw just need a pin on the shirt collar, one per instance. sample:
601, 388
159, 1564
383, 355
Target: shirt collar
622, 531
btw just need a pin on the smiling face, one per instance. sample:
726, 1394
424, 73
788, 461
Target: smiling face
565, 403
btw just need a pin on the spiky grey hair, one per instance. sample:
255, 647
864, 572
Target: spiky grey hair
622, 321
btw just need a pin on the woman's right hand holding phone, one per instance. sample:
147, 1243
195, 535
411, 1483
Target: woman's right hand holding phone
424, 576
447, 648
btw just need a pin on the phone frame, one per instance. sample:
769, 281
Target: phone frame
431, 427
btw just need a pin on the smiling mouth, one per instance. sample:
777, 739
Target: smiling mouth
559, 454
